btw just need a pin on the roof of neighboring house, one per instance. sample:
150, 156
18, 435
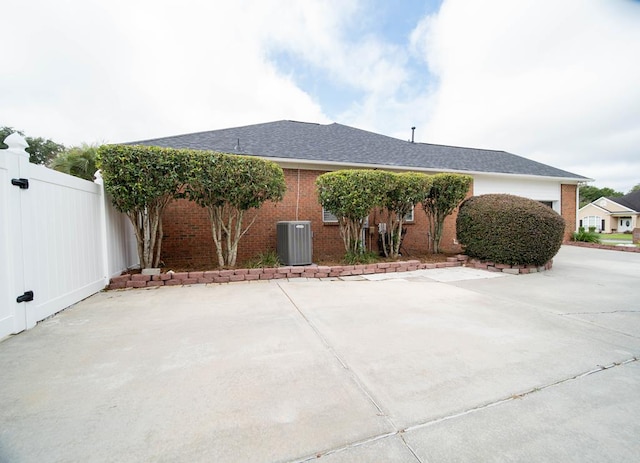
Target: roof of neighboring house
631, 200
337, 143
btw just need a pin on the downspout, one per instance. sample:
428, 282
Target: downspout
577, 221
298, 196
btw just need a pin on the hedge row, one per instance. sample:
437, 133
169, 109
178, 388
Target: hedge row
141, 180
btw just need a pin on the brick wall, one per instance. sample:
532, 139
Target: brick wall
187, 234
568, 209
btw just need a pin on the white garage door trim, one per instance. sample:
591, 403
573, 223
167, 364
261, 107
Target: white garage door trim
539, 190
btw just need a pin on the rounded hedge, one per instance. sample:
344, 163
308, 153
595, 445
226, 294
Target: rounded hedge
508, 229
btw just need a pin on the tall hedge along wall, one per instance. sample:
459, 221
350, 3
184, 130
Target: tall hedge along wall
508, 229
143, 179
188, 243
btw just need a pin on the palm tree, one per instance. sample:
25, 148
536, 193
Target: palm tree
79, 161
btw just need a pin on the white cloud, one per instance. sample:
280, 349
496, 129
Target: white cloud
125, 70
553, 81
321, 33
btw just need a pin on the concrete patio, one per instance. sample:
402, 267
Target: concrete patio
445, 365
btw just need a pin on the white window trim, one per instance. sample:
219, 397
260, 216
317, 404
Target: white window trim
592, 221
328, 217
411, 216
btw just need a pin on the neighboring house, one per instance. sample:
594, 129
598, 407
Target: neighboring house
612, 215
306, 150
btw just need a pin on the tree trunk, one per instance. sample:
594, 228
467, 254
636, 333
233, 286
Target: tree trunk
435, 228
237, 233
437, 234
158, 244
385, 248
215, 214
226, 228
135, 221
147, 224
396, 237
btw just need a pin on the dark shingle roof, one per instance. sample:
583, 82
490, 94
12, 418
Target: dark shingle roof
337, 143
631, 200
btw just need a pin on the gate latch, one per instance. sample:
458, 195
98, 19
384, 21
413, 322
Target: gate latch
26, 297
23, 183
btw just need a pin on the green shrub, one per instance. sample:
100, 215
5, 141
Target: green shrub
141, 181
405, 191
351, 195
227, 186
444, 194
352, 258
267, 259
585, 236
509, 229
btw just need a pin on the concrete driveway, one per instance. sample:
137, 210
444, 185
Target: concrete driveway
449, 365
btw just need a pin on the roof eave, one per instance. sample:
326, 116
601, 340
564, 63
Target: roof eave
623, 213
334, 165
595, 205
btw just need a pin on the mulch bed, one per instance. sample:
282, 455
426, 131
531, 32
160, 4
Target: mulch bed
324, 261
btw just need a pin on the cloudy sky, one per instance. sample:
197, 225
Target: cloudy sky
557, 81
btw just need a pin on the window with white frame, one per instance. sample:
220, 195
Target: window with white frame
328, 217
410, 215
592, 221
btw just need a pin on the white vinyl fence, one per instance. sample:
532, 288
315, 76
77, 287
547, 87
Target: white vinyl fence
61, 240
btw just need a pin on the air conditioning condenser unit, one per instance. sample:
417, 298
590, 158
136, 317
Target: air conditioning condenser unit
294, 244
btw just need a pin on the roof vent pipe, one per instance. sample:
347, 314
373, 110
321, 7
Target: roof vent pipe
413, 130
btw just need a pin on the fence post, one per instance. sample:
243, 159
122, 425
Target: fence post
17, 164
104, 231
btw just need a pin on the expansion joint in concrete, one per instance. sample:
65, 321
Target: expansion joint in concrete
360, 386
522, 395
338, 358
600, 313
351, 445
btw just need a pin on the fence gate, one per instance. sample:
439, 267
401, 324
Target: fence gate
12, 314
51, 233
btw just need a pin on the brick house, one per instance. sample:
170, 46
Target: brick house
306, 150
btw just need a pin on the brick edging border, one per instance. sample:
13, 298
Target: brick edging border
608, 247
310, 271
307, 271
506, 268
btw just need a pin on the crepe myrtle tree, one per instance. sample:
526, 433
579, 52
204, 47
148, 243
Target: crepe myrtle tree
445, 193
227, 186
405, 191
141, 181
351, 195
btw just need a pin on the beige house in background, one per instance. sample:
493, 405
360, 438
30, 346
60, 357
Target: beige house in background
612, 215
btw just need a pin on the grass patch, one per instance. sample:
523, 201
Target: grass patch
616, 236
